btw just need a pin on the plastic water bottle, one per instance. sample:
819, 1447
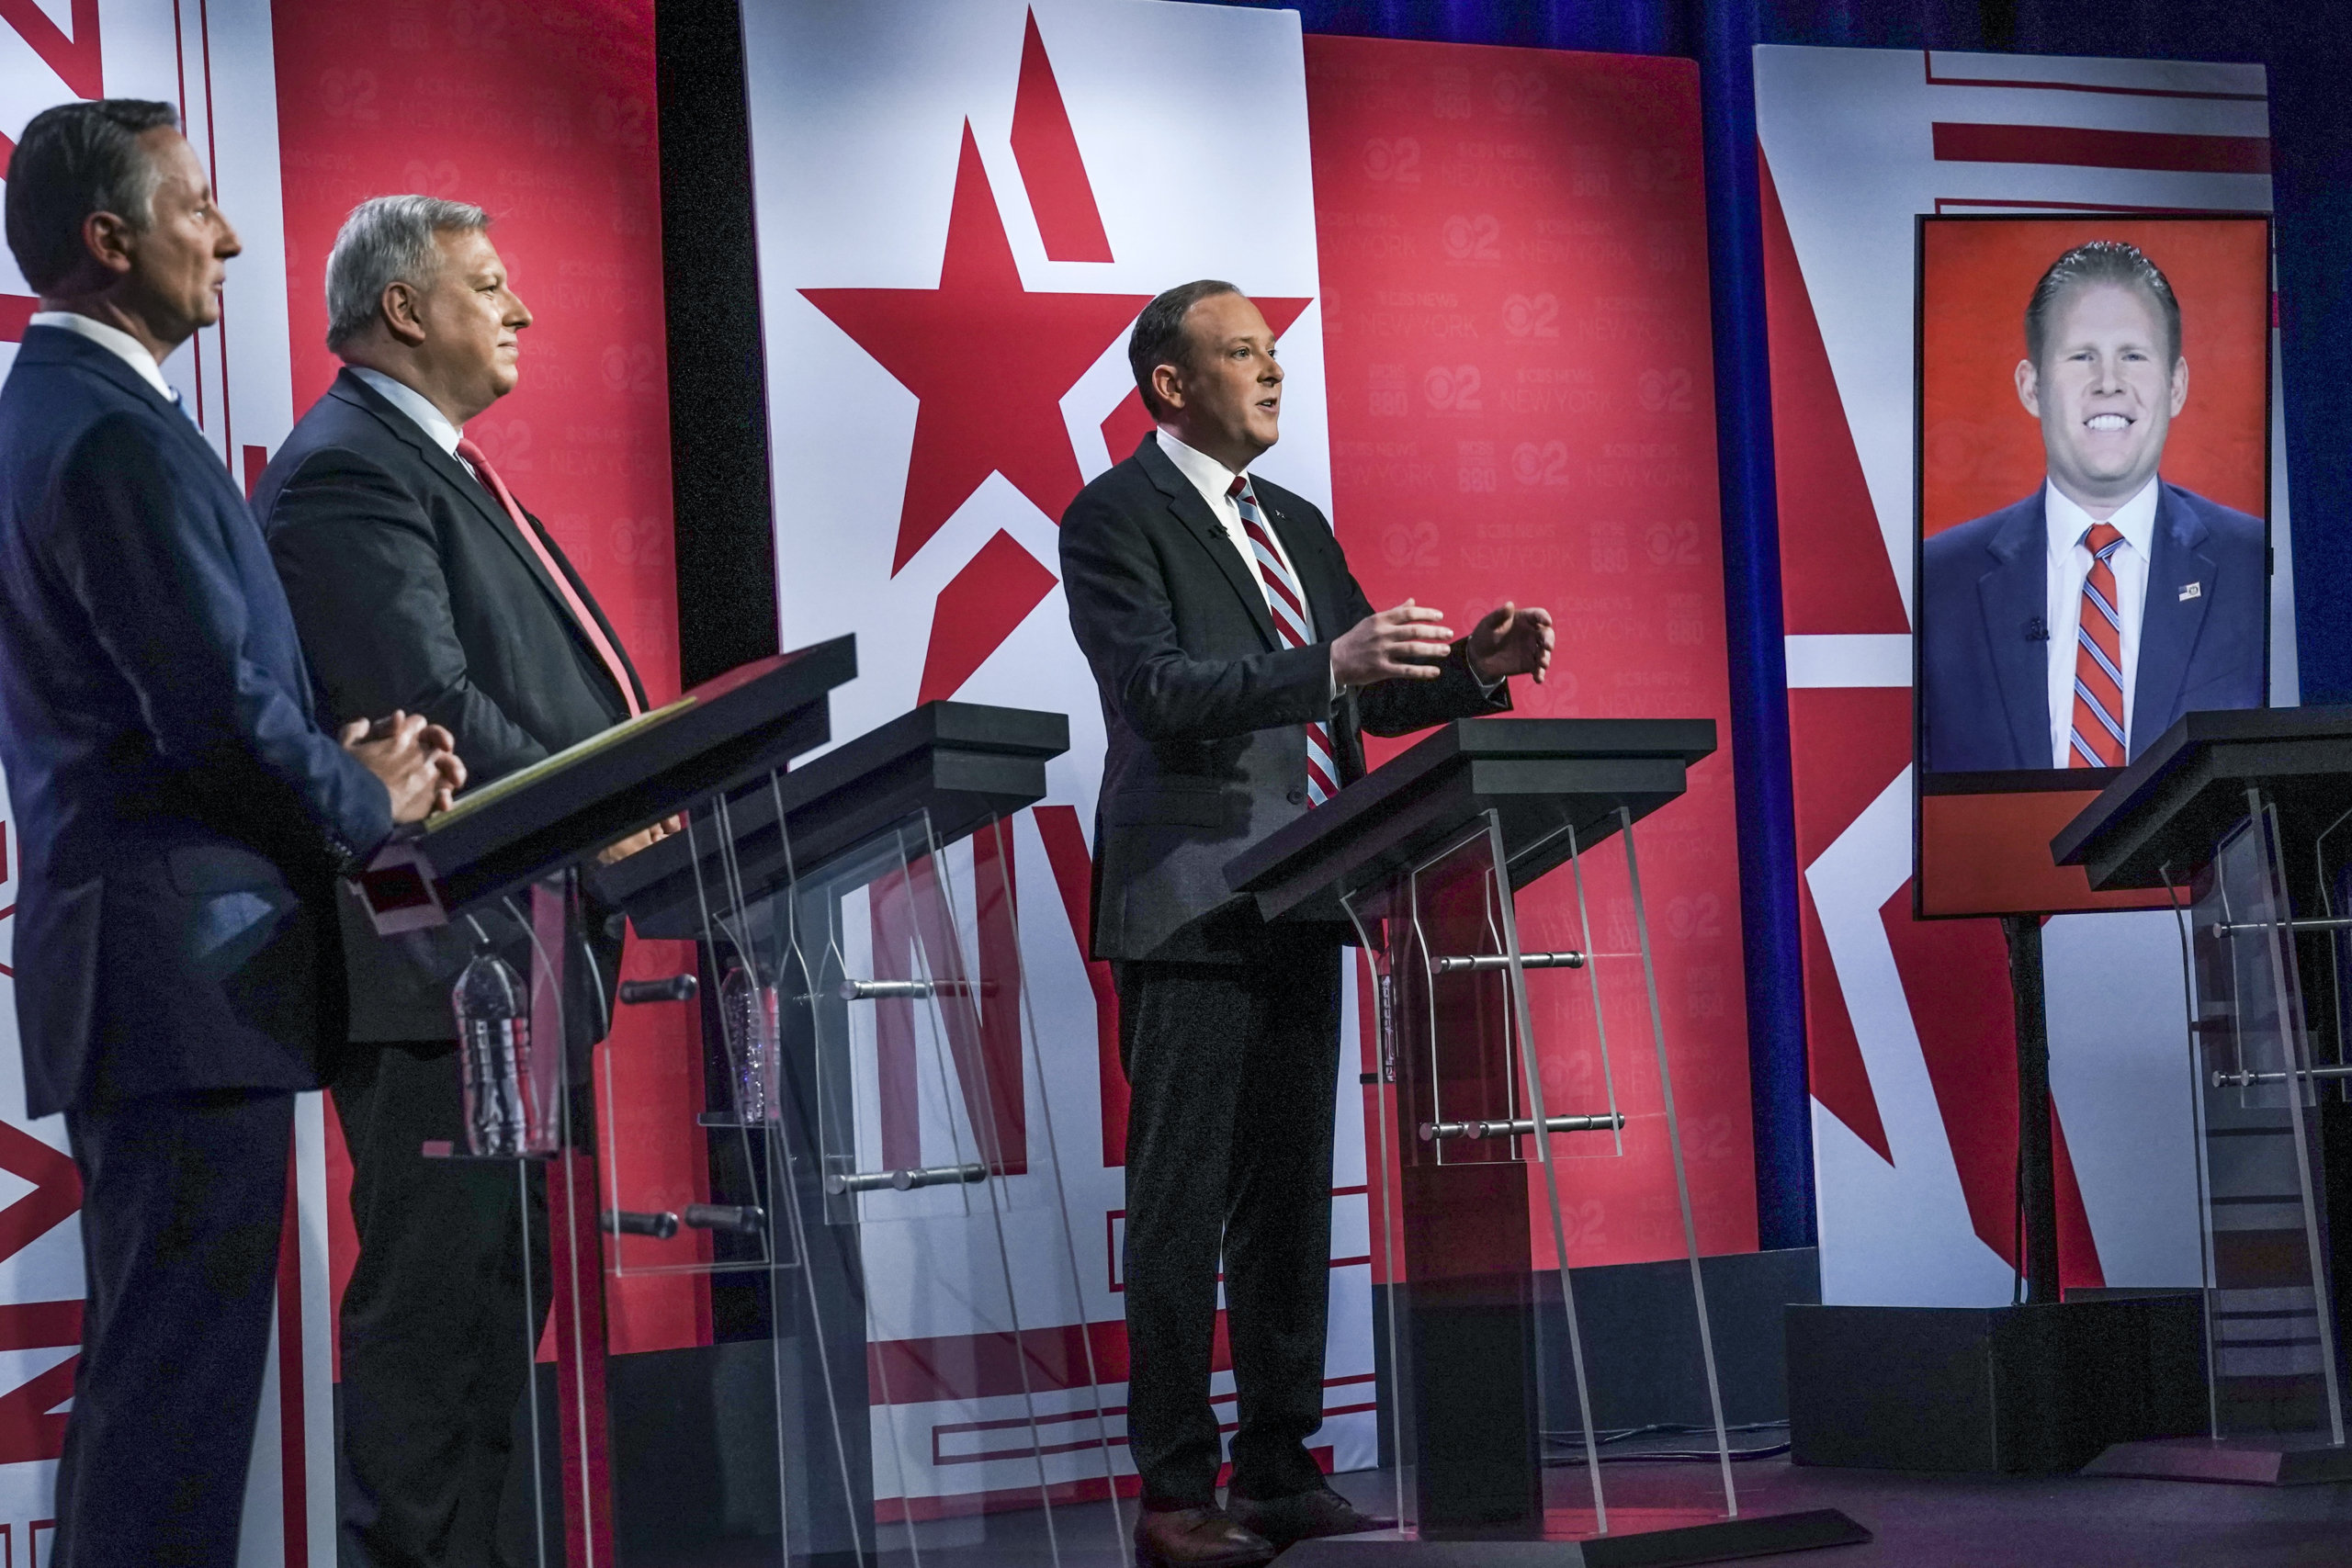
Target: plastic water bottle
504, 1118
747, 1006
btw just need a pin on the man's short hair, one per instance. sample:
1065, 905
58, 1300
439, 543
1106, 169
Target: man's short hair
1158, 338
72, 161
389, 240
2101, 260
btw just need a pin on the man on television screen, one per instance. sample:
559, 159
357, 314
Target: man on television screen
2071, 628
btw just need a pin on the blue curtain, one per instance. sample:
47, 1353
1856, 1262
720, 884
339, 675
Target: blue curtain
2307, 49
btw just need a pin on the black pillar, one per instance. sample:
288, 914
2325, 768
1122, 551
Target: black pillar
718, 419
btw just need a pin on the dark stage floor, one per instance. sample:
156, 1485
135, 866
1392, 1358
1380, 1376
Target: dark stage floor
1922, 1520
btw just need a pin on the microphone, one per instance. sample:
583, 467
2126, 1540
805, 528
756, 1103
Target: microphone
2036, 631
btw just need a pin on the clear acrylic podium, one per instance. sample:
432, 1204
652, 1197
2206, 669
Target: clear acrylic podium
2249, 811
1423, 859
906, 1325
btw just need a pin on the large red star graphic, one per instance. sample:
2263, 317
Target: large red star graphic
989, 360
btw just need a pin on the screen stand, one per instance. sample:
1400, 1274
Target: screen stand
2037, 1170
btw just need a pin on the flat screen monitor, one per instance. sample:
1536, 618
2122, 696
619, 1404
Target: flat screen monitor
2093, 428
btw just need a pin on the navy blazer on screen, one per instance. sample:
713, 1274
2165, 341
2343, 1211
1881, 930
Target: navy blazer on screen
179, 814
1985, 651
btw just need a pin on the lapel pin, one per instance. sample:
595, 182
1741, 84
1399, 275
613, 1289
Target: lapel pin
2190, 589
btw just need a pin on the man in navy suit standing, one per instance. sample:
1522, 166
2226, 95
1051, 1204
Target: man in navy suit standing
2071, 629
182, 816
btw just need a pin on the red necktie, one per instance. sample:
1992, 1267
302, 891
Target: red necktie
1289, 608
2097, 740
586, 622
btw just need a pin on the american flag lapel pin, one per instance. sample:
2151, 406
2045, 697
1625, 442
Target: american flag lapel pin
2190, 589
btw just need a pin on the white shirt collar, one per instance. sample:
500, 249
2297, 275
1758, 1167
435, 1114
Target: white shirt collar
1211, 477
415, 404
125, 347
2135, 520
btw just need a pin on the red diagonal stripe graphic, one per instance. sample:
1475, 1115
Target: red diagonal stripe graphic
15, 315
56, 1195
76, 59
2165, 152
1046, 148
1834, 572
1074, 865
982, 607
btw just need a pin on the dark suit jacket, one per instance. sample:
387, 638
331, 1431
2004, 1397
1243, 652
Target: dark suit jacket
1983, 650
179, 813
412, 591
1202, 703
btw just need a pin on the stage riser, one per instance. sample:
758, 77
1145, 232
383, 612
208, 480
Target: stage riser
1640, 1373
2015, 1390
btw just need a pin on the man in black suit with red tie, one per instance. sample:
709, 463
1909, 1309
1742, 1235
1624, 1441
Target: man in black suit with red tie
1240, 666
412, 569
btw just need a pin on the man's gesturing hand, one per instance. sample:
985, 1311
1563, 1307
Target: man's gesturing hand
414, 761
1407, 643
1512, 641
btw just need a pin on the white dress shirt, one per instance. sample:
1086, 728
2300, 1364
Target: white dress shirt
2070, 562
120, 343
1213, 479
415, 404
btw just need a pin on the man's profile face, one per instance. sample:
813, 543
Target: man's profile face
2106, 393
1229, 393
180, 260
472, 318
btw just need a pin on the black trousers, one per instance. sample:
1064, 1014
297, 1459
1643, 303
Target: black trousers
1231, 1071
183, 1206
441, 1320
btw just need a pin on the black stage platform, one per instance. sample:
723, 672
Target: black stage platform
1920, 1521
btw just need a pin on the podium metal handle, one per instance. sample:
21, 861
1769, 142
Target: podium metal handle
744, 1219
677, 988
875, 990
905, 1181
2221, 930
1486, 962
661, 1227
2245, 1079
1607, 1121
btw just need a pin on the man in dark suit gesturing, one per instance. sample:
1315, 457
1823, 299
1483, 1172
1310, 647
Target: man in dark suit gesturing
2070, 630
181, 816
412, 570
1239, 665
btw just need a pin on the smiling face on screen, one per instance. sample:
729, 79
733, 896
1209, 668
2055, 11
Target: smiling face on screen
2109, 382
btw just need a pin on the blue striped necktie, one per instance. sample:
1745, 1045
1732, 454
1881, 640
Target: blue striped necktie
1288, 605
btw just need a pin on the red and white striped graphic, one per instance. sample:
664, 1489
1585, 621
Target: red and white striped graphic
1911, 1039
214, 62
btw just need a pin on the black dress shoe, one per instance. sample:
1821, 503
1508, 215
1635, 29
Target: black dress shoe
1287, 1520
1197, 1538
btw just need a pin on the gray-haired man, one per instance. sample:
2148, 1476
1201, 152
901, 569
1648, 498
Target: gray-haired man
412, 569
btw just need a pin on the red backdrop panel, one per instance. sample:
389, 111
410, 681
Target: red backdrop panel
1982, 451
1513, 252
541, 111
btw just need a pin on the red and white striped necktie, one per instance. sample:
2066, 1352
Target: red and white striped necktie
2098, 737
1288, 605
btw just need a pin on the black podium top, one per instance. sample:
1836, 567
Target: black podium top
962, 762
2188, 788
1543, 776
564, 808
